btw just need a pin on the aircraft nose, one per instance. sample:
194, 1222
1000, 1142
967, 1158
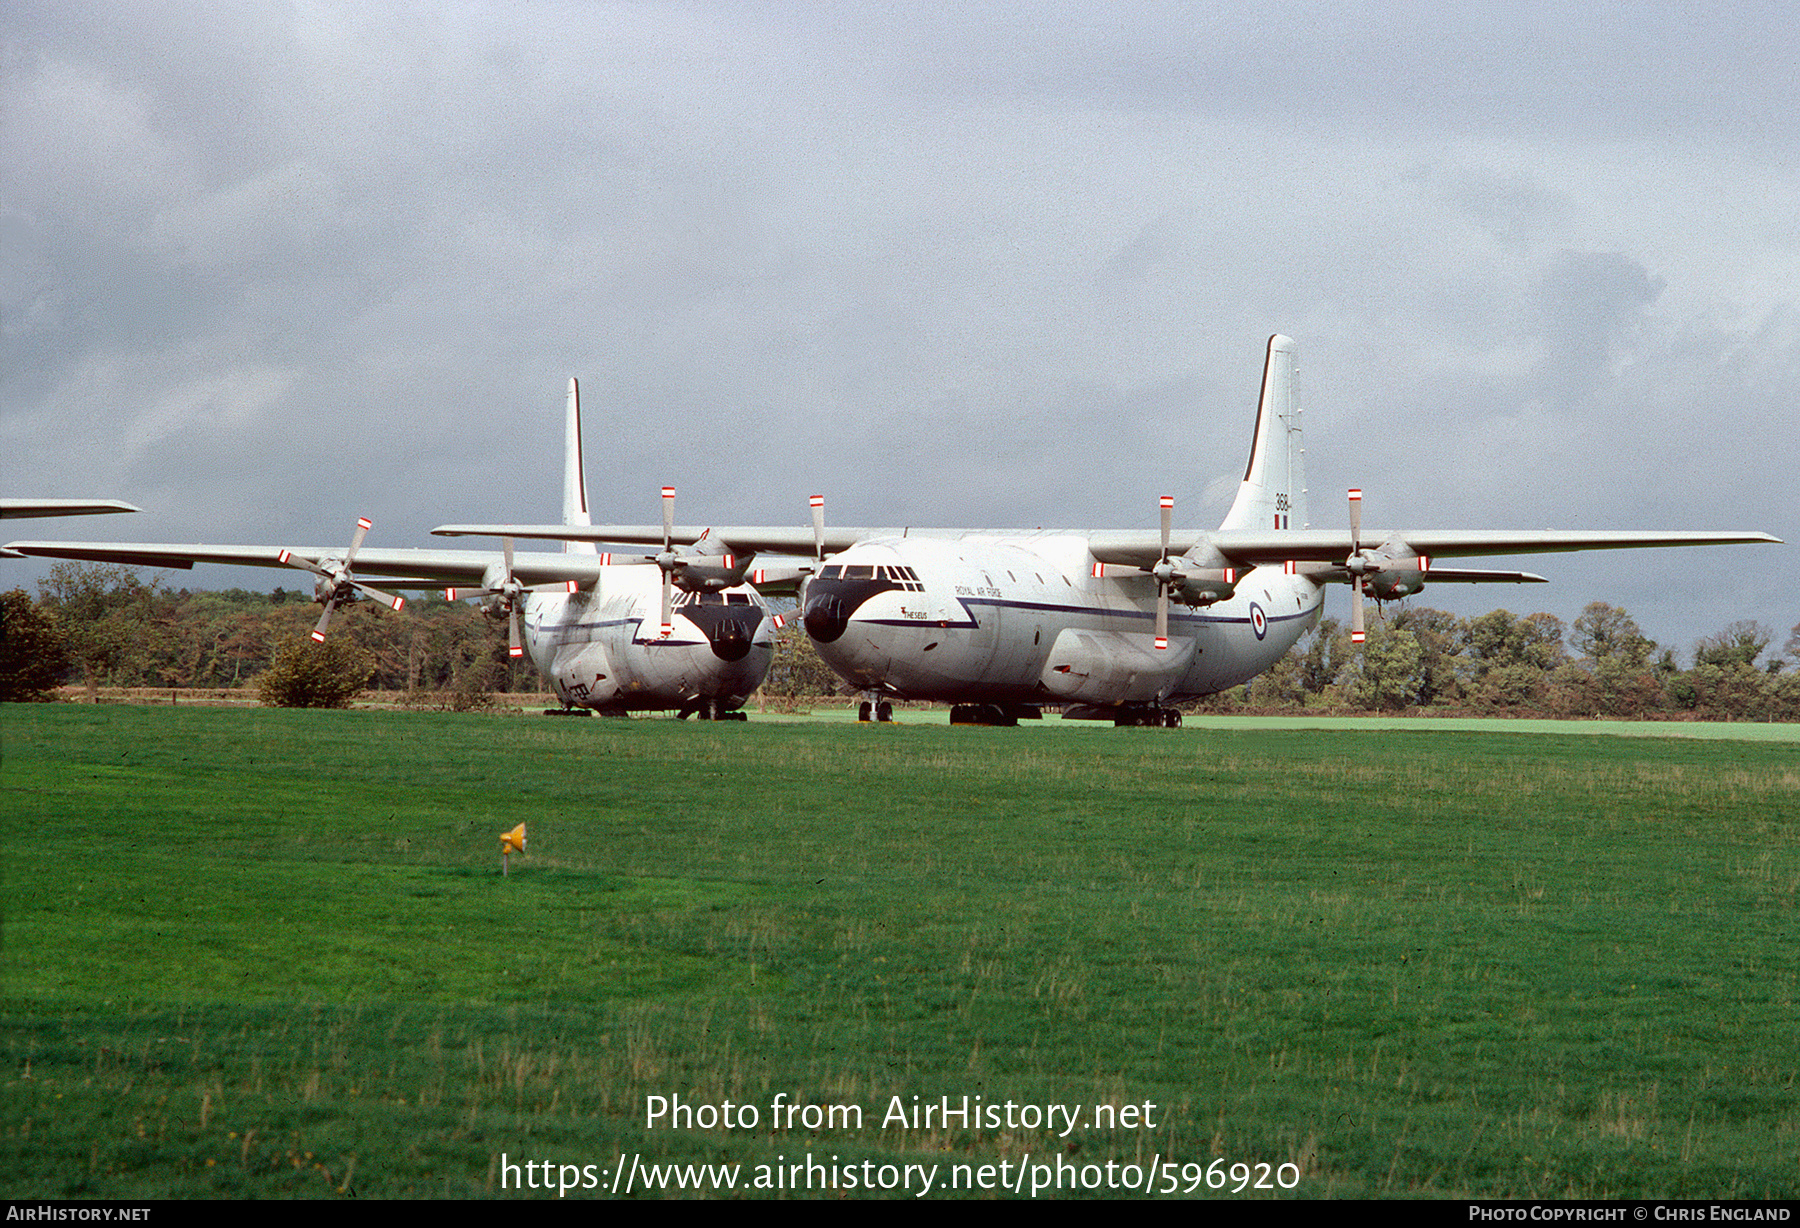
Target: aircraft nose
732, 637
827, 613
839, 592
729, 629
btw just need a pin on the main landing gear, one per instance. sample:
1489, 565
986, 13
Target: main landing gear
1167, 718
710, 710
1121, 715
878, 710
982, 714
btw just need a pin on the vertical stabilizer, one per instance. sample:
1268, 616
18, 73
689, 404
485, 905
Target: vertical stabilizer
575, 503
1273, 492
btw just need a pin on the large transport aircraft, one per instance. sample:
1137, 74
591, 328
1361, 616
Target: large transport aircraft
1108, 625
675, 630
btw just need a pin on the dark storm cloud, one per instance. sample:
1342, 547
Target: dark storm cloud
1590, 310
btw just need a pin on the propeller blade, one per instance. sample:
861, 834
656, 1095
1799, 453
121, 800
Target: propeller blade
1164, 576
324, 620
818, 517
1356, 563
363, 525
303, 564
668, 519
513, 648
668, 626
387, 599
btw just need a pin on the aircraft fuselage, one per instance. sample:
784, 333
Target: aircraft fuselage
1023, 620
600, 648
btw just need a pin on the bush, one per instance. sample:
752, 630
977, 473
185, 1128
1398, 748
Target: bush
313, 675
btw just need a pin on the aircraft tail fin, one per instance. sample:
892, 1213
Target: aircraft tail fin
1273, 492
575, 504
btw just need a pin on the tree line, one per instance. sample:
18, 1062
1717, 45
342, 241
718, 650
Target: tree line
102, 625
1502, 664
105, 625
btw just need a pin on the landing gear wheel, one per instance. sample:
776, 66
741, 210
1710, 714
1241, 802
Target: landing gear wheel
983, 714
1166, 718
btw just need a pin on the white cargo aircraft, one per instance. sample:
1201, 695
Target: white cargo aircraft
676, 630
1118, 625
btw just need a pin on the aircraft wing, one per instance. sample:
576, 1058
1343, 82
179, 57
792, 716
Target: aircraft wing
399, 568
1326, 573
1251, 547
1471, 575
11, 509
745, 539
1142, 547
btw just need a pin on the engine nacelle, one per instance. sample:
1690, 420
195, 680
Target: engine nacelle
1202, 579
1206, 585
1400, 576
709, 573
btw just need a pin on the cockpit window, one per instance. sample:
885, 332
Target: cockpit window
903, 578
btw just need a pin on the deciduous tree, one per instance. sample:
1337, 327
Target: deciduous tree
1739, 644
33, 649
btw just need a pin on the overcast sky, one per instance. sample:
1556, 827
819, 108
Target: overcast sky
268, 267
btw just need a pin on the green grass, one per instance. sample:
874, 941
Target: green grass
253, 952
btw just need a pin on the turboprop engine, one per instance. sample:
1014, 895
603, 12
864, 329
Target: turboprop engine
1193, 582
337, 584
1401, 575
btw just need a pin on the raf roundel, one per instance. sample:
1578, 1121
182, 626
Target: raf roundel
1259, 622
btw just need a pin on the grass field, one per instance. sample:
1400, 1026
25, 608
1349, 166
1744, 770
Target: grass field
255, 952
